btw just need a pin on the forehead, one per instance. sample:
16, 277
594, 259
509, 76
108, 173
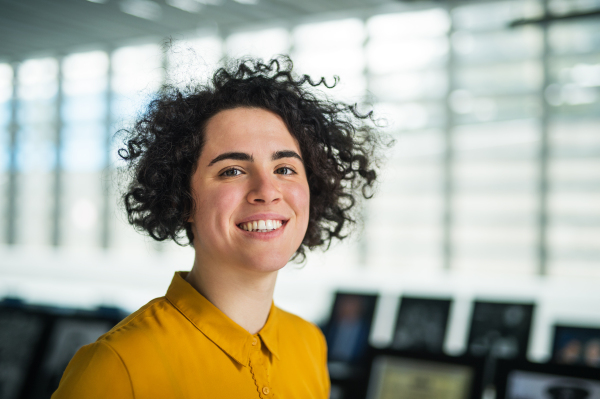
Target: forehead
249, 130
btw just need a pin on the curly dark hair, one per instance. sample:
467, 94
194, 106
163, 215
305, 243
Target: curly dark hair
339, 147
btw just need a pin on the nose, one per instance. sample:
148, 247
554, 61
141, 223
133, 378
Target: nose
264, 189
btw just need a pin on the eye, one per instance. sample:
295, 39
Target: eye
285, 171
232, 172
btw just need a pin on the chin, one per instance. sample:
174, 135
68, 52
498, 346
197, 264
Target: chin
267, 263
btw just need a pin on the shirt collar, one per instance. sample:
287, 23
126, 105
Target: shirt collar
216, 325
269, 334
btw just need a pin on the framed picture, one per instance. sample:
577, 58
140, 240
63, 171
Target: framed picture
421, 324
500, 330
517, 379
576, 346
349, 326
409, 375
67, 335
21, 337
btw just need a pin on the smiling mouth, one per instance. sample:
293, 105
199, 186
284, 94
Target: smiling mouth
262, 226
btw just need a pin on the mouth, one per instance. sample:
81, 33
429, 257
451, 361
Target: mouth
262, 226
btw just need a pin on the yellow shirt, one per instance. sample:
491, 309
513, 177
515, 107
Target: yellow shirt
182, 346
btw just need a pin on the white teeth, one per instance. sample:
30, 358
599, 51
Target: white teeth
262, 226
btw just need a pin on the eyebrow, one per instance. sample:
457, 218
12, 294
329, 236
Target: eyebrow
242, 156
285, 154
237, 156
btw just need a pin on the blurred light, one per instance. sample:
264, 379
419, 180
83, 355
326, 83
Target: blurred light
402, 116
126, 84
145, 9
37, 79
5, 116
496, 171
137, 69
340, 62
84, 108
333, 48
411, 85
461, 101
430, 23
6, 73
39, 92
463, 42
192, 61
497, 134
6, 82
330, 35
386, 57
209, 2
586, 75
185, 5
82, 66
572, 38
487, 16
37, 71
78, 88
264, 43
562, 7
131, 59
35, 150
249, 2
574, 203
84, 214
575, 170
552, 94
574, 95
98, 1
414, 144
485, 109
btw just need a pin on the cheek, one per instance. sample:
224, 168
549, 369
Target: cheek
299, 197
216, 206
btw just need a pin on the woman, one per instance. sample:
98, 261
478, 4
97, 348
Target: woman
254, 169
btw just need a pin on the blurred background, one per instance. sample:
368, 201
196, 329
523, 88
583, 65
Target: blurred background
491, 193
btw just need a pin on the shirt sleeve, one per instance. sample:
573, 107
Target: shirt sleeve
96, 371
326, 379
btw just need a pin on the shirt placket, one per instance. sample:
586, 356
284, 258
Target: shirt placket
259, 367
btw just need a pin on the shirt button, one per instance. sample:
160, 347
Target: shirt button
266, 390
254, 341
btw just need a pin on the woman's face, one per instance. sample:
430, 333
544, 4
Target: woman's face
250, 190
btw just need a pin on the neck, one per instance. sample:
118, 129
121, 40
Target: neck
245, 296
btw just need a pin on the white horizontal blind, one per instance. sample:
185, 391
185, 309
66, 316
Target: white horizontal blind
460, 77
36, 151
6, 92
333, 48
406, 56
262, 43
137, 72
192, 61
574, 145
83, 148
498, 76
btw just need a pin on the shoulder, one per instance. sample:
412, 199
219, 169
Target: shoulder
96, 371
303, 349
154, 318
296, 325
